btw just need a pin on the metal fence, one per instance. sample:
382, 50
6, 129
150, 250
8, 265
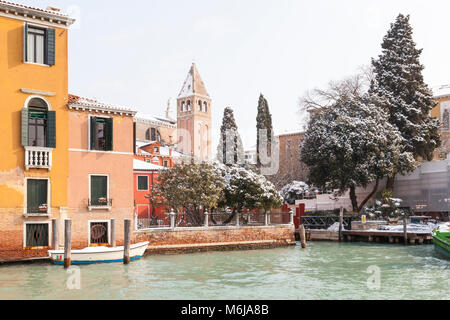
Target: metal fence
152, 223
324, 222
217, 219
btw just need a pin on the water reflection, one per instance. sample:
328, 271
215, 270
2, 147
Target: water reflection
322, 271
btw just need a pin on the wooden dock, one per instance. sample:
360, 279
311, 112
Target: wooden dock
375, 236
381, 236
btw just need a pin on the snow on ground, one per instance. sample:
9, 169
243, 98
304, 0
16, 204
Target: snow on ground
335, 227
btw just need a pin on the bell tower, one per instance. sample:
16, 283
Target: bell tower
194, 117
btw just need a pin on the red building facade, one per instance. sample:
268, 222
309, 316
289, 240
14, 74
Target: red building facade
145, 176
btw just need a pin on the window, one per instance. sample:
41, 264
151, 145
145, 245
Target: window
99, 191
37, 128
142, 183
189, 105
37, 235
39, 45
101, 134
99, 233
155, 150
153, 137
38, 125
37, 196
182, 106
166, 163
205, 106
199, 105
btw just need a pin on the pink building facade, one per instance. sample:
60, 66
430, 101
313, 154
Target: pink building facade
100, 185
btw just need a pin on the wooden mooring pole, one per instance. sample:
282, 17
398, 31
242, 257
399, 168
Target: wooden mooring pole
126, 247
405, 231
113, 233
341, 221
55, 234
303, 236
67, 243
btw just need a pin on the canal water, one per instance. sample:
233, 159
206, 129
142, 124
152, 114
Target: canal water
322, 271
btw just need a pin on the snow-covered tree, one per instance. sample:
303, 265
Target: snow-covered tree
399, 80
230, 149
247, 189
293, 191
263, 122
351, 144
189, 188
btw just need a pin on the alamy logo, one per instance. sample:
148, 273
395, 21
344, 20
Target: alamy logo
374, 280
74, 281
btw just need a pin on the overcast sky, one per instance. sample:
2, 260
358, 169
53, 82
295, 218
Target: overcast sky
137, 53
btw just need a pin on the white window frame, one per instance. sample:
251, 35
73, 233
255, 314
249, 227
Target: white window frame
36, 26
108, 207
137, 183
49, 198
89, 134
97, 221
47, 222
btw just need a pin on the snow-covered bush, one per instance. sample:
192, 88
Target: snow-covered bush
247, 189
294, 191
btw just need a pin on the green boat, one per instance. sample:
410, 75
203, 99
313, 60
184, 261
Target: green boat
441, 239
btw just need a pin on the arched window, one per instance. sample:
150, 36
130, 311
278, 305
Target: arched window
205, 106
38, 124
199, 105
182, 106
189, 105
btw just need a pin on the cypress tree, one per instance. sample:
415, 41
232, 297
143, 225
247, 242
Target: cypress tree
263, 122
399, 80
230, 153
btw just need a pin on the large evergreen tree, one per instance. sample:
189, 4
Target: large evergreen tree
263, 122
399, 80
351, 144
230, 149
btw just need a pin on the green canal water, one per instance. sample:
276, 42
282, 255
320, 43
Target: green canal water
322, 271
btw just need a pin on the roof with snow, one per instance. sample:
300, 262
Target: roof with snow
193, 85
160, 121
441, 91
50, 15
291, 133
145, 166
81, 103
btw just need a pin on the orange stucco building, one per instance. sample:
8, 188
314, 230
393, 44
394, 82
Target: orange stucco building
34, 164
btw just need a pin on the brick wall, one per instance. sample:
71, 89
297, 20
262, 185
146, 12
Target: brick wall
195, 239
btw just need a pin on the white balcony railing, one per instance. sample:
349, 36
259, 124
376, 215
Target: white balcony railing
38, 158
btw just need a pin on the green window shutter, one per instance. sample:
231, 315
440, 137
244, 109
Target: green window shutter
109, 134
50, 47
93, 132
142, 182
25, 127
36, 194
25, 42
51, 129
99, 188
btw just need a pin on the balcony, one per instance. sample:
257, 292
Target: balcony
100, 204
38, 158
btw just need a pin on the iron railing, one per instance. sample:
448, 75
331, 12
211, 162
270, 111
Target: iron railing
216, 219
324, 222
101, 202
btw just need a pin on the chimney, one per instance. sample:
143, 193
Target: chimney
49, 8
